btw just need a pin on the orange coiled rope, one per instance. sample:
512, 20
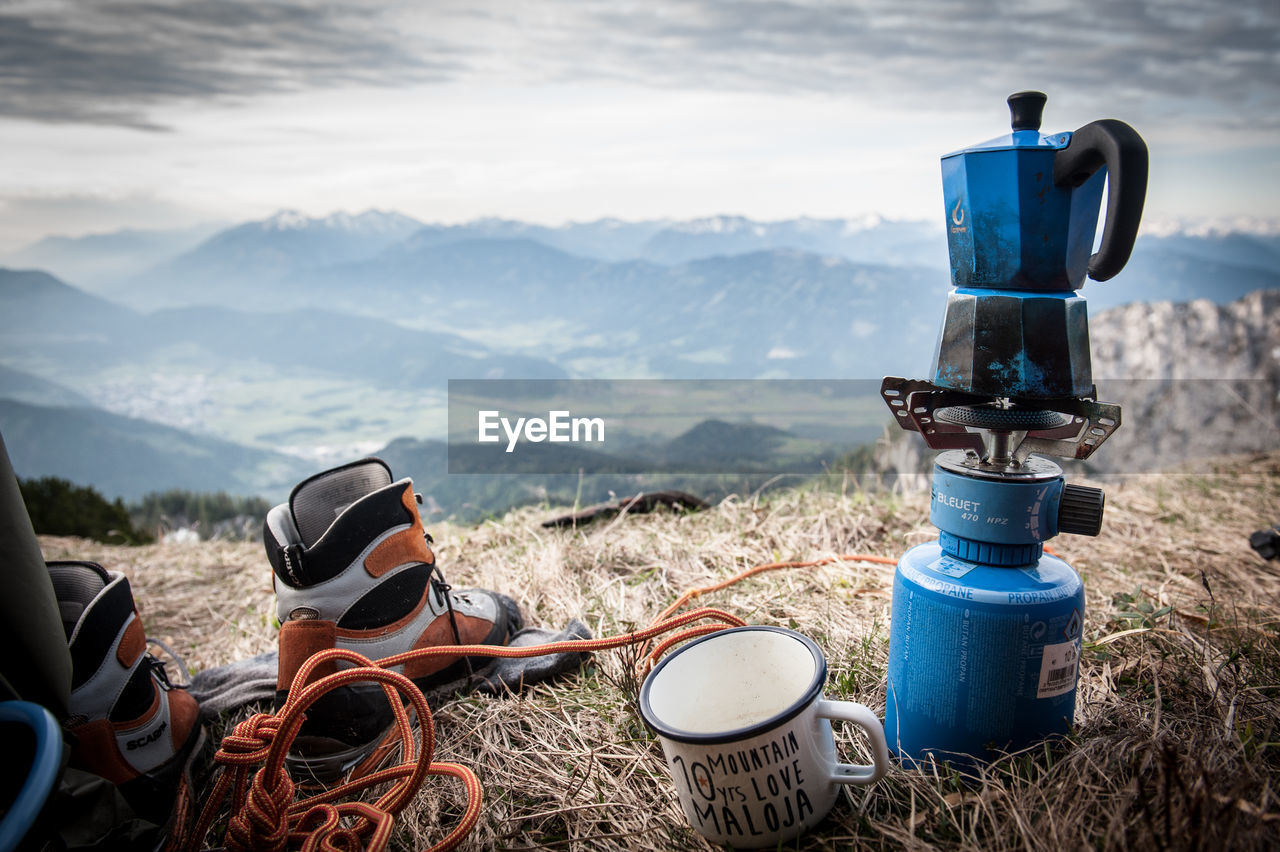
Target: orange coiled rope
263, 813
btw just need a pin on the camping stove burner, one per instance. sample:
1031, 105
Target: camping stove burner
1007, 430
993, 416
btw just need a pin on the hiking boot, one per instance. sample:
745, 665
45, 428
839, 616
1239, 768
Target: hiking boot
127, 724
353, 569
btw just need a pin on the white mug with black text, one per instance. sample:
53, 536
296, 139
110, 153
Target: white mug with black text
747, 734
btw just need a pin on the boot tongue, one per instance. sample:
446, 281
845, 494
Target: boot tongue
317, 502
75, 585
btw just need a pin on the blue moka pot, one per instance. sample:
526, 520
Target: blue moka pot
1021, 214
1022, 209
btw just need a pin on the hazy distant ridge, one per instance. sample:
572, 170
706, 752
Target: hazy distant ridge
375, 250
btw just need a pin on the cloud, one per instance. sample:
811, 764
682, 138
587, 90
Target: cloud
118, 61
1167, 59
112, 62
943, 53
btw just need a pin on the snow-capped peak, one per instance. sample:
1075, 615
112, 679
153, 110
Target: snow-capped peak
1171, 226
719, 225
286, 220
368, 222
863, 223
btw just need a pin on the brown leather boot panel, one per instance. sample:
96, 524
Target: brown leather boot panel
97, 751
133, 644
299, 640
184, 716
472, 630
403, 547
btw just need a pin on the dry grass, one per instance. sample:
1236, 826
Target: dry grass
1177, 743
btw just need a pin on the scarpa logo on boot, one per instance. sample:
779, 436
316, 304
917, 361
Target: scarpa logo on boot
148, 739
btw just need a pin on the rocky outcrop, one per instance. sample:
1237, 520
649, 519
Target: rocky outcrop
1189, 340
1194, 380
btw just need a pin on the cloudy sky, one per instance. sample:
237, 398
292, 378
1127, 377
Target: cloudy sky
162, 114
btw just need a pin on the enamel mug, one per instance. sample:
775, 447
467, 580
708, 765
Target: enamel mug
747, 734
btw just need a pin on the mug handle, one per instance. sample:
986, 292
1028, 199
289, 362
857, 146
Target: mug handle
848, 711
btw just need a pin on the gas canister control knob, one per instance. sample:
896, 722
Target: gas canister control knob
1080, 510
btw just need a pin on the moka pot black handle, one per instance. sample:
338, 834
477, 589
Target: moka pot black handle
1117, 146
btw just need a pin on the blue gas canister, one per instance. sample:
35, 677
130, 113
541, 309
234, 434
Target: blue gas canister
985, 632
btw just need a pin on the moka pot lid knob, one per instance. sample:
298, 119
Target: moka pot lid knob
1026, 109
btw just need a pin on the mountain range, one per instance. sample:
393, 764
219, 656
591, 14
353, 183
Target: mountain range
194, 266
822, 298
309, 341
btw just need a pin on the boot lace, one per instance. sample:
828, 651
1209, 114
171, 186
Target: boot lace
442, 591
